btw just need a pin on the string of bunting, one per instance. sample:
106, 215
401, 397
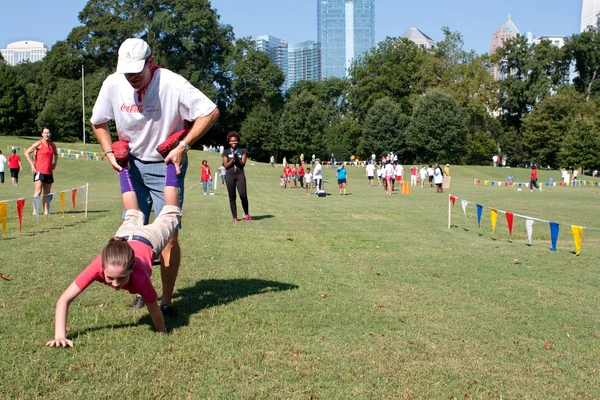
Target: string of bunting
526, 184
554, 226
20, 204
69, 153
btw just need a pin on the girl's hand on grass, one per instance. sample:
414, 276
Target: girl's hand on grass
60, 342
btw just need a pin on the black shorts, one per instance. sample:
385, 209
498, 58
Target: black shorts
340, 181
44, 178
438, 185
431, 179
14, 172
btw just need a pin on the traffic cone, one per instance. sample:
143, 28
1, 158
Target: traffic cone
405, 187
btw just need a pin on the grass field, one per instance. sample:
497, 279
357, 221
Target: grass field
366, 296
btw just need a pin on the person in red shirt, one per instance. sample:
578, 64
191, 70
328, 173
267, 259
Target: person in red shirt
205, 177
287, 172
126, 261
14, 164
533, 179
295, 175
301, 174
46, 157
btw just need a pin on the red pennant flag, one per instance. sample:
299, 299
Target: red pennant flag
561, 184
452, 199
20, 205
479, 181
505, 183
73, 197
509, 219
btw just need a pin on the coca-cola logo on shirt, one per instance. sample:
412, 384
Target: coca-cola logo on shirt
132, 109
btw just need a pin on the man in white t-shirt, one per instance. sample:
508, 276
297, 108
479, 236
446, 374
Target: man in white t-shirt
318, 174
2, 166
148, 104
370, 170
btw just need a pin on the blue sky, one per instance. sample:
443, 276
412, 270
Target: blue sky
295, 21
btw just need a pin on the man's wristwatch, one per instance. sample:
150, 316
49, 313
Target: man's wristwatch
185, 145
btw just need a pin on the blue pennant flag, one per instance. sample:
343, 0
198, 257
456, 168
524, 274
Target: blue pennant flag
479, 212
554, 228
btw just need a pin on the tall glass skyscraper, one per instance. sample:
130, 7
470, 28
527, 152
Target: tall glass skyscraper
345, 31
590, 10
304, 63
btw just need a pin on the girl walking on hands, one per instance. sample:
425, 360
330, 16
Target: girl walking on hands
234, 160
126, 261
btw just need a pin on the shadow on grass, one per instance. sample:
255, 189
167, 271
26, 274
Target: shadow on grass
204, 294
259, 217
215, 292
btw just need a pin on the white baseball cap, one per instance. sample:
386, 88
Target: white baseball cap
132, 56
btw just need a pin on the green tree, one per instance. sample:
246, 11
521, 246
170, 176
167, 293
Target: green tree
302, 127
479, 148
547, 125
581, 145
383, 131
438, 129
584, 50
260, 133
396, 69
62, 112
14, 106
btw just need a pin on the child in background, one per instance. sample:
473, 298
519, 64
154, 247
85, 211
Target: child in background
282, 182
126, 261
223, 171
308, 179
205, 177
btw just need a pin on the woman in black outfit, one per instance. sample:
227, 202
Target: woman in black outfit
234, 160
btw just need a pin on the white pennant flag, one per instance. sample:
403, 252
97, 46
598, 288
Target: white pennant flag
36, 204
529, 227
464, 206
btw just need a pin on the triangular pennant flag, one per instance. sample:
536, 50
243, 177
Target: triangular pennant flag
547, 184
20, 205
509, 219
577, 237
464, 206
529, 227
493, 183
485, 183
479, 181
554, 228
73, 197
452, 199
3, 216
520, 184
36, 205
62, 202
494, 218
479, 212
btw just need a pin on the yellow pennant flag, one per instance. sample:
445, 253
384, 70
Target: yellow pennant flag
62, 202
577, 237
485, 183
3, 216
493, 217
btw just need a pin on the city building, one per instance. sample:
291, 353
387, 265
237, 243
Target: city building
345, 31
304, 63
276, 48
505, 31
590, 10
18, 52
419, 38
559, 41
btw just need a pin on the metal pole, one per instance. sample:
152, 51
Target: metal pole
83, 102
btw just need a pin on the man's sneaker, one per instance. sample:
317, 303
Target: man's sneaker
212, 194
138, 302
120, 149
167, 311
247, 217
165, 147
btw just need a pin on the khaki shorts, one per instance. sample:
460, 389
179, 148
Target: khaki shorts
158, 232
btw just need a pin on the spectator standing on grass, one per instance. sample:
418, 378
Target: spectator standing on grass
222, 172
380, 176
14, 165
126, 261
423, 175
301, 172
2, 167
413, 176
399, 173
46, 157
430, 172
533, 178
438, 178
318, 175
287, 176
308, 178
342, 177
447, 170
332, 161
206, 177
272, 160
294, 175
389, 176
150, 106
234, 160
370, 172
